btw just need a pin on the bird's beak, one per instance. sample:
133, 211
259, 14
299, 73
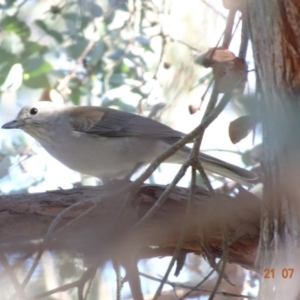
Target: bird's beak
13, 124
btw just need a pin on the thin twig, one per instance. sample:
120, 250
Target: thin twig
65, 81
63, 213
61, 288
163, 196
33, 267
151, 168
7, 267
181, 236
228, 28
198, 285
220, 277
185, 140
89, 287
244, 37
88, 275
184, 286
117, 267
70, 223
218, 12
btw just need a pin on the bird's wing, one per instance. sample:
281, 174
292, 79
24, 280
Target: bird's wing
114, 123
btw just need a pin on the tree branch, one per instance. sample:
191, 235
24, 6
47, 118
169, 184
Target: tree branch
24, 221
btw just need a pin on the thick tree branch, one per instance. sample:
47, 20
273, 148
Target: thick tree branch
24, 221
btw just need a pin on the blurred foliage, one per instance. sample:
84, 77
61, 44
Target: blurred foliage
78, 48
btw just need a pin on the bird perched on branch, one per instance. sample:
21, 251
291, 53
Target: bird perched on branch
107, 143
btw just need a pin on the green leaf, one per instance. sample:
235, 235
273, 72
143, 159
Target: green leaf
97, 53
76, 22
53, 33
14, 25
76, 50
71, 16
75, 96
147, 48
121, 79
7, 4
13, 44
116, 55
38, 82
6, 56
84, 22
36, 66
94, 9
32, 48
117, 79
77, 90
124, 68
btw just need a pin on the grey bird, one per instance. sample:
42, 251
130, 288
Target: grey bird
107, 143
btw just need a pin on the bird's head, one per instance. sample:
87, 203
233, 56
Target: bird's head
35, 118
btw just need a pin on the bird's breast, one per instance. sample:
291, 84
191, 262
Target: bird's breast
102, 157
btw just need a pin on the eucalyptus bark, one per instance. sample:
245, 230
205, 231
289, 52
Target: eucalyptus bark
275, 35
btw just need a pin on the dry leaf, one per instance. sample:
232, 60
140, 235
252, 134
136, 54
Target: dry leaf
230, 72
166, 65
193, 109
240, 128
234, 4
52, 95
230, 75
215, 55
45, 95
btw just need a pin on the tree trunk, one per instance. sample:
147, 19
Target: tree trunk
275, 34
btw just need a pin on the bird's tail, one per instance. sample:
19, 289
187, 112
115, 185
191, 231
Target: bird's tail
217, 166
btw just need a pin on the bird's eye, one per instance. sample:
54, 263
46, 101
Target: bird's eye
33, 111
